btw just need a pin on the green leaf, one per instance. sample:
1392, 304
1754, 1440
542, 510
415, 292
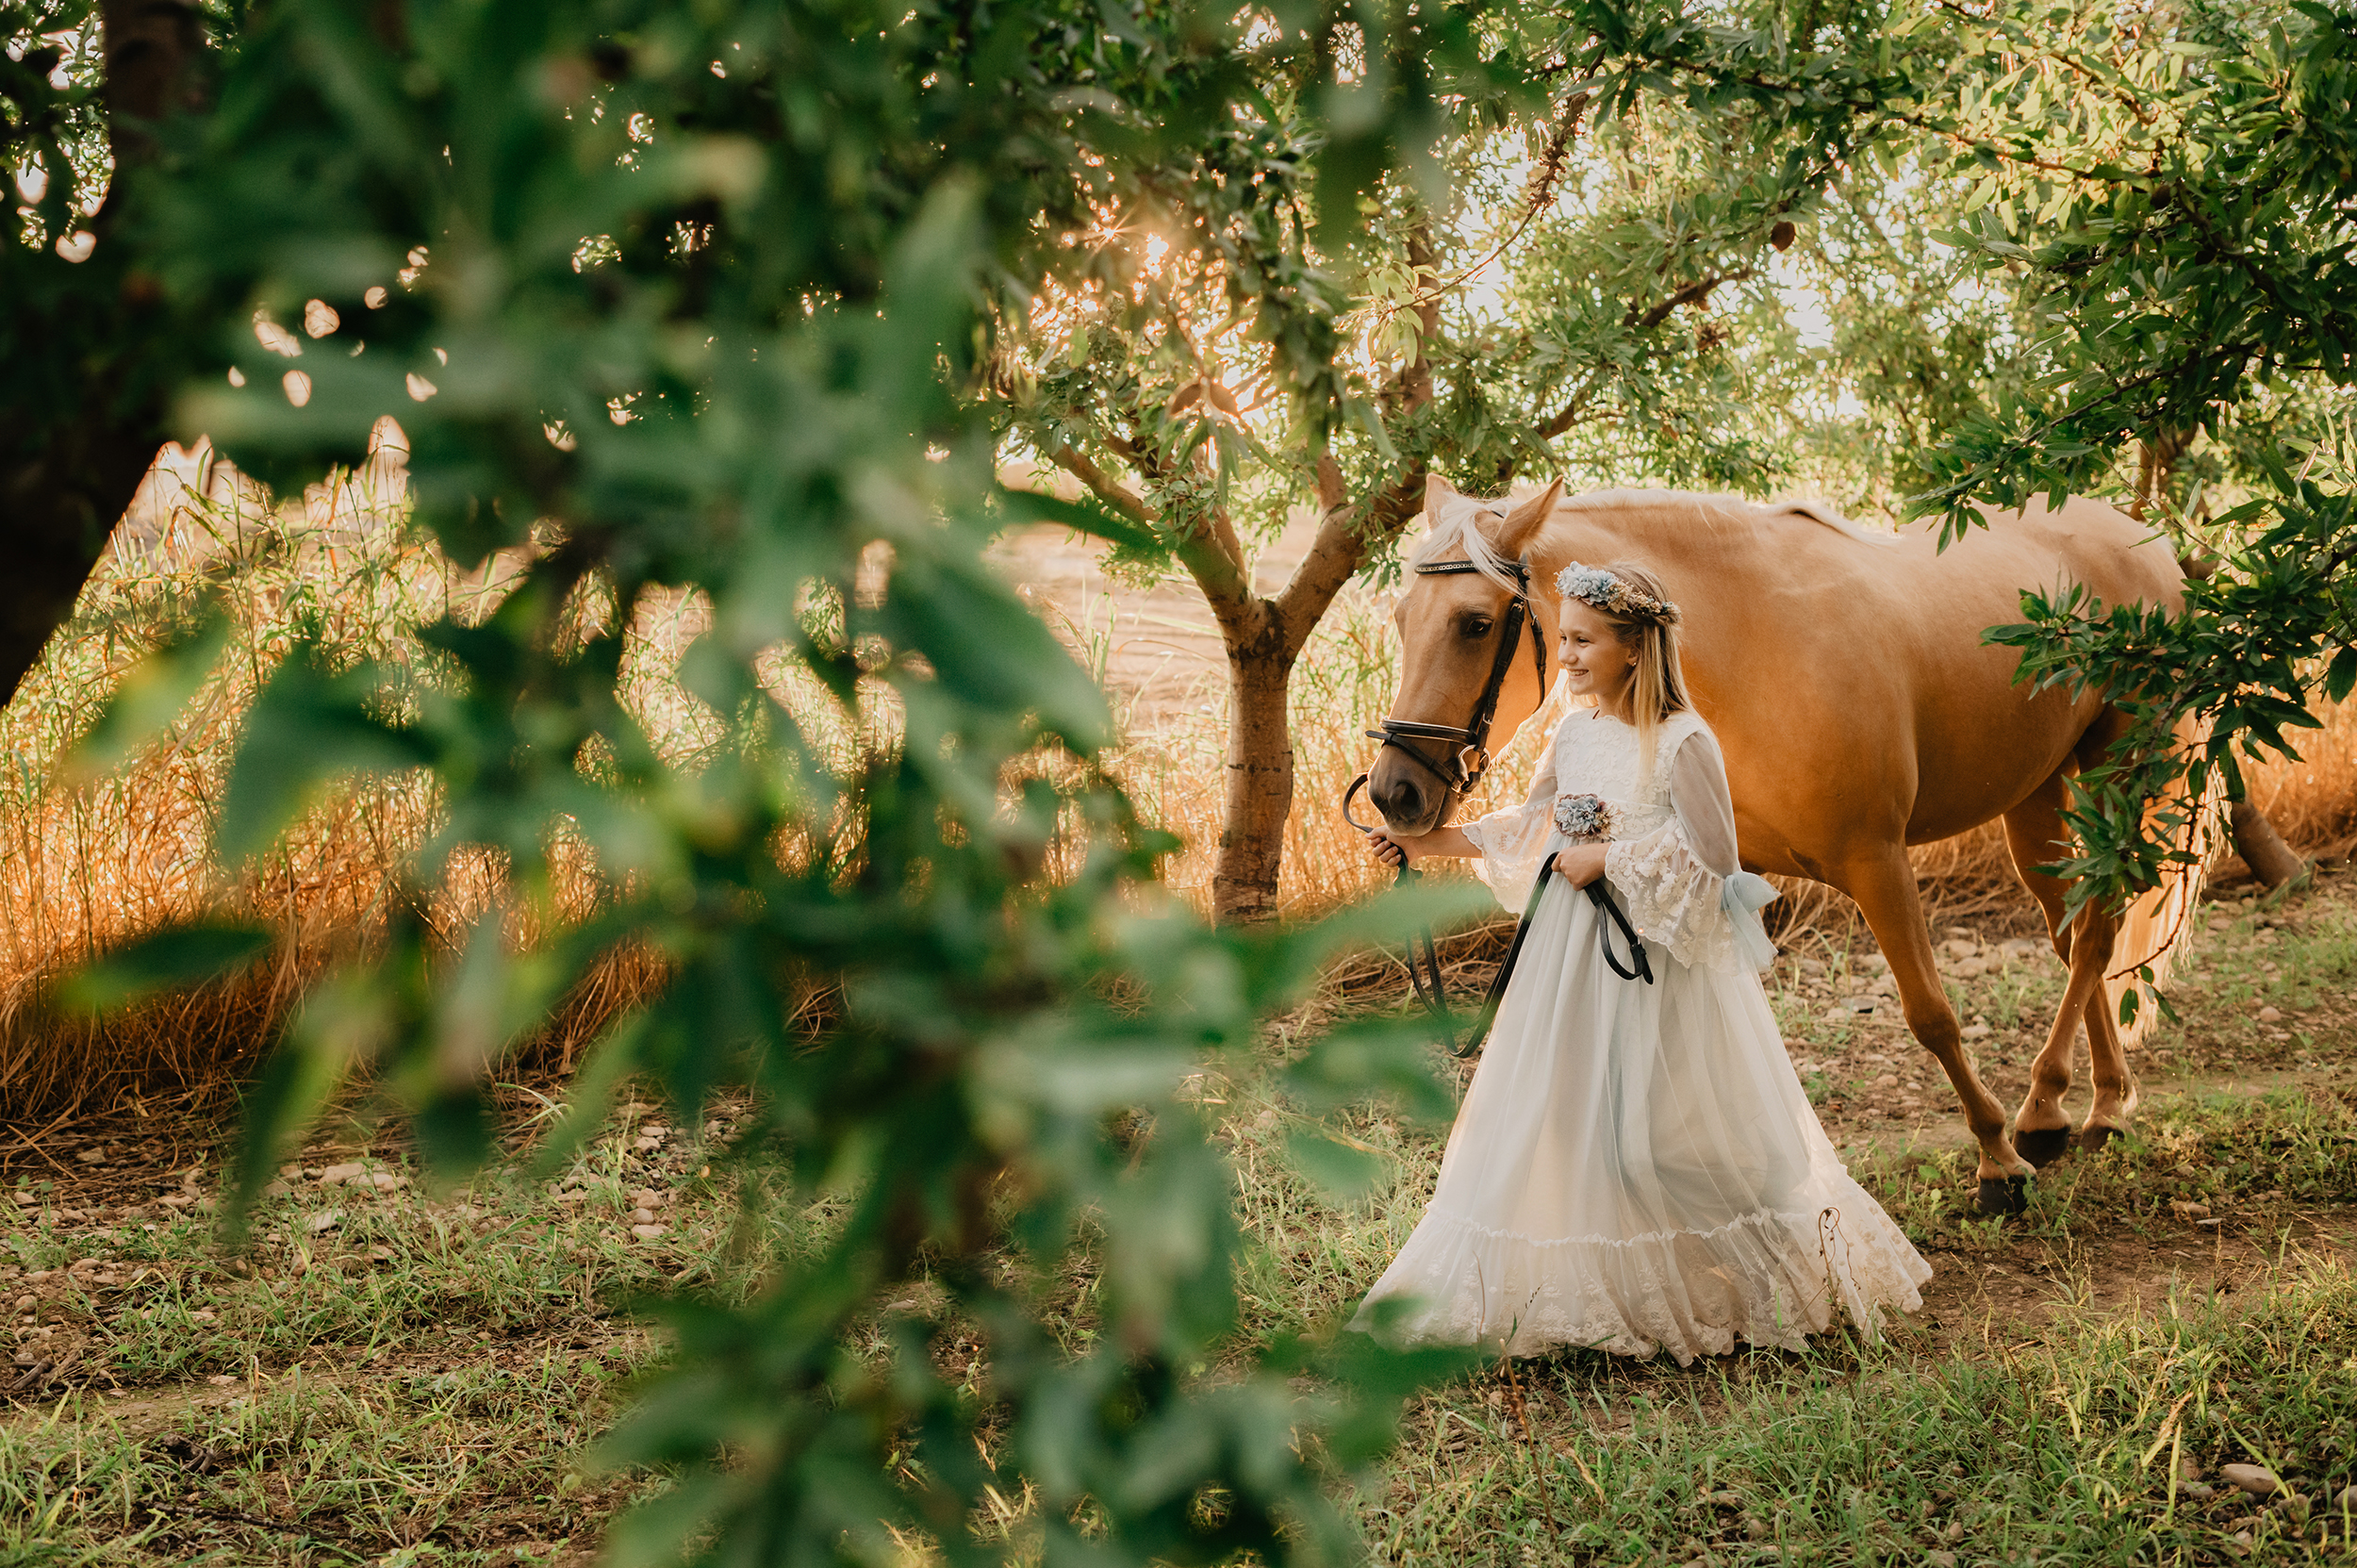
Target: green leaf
1336, 1168
171, 958
308, 728
150, 696
2341, 675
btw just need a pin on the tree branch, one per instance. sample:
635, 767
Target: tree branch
1693, 294
1109, 490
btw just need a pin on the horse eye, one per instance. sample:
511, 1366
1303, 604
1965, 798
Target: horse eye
1477, 625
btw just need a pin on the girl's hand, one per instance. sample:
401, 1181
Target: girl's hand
1390, 851
1581, 863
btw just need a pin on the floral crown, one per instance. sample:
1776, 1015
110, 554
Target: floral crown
1595, 586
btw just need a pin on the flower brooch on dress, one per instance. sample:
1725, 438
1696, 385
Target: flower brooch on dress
1583, 818
1596, 587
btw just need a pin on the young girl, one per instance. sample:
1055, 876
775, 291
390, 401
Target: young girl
1634, 1167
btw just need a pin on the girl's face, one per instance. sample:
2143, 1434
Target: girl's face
1596, 662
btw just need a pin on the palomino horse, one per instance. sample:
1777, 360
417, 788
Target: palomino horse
1859, 712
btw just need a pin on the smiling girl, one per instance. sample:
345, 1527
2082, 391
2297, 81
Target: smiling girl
1634, 1167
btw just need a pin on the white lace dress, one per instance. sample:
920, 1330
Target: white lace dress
1634, 1167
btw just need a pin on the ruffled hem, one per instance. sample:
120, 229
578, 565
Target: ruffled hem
1769, 1278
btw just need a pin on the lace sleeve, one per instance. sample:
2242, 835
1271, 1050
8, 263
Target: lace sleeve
1513, 842
1683, 883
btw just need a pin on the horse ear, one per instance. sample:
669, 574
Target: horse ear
1437, 492
1523, 522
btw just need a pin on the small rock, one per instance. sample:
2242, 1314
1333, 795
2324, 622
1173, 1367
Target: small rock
2270, 1015
325, 1220
277, 1189
650, 1233
2197, 1489
1812, 965
1858, 1004
2185, 1208
647, 1197
1940, 1558
571, 1195
641, 1216
2257, 1480
92, 1157
1888, 1081
2294, 1507
27, 1303
224, 1380
25, 1357
2347, 1501
1976, 1032
350, 1168
1756, 1529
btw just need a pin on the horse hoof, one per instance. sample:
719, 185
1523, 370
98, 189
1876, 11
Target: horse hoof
2091, 1139
2042, 1146
2002, 1195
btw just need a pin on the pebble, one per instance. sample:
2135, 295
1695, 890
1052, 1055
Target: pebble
2257, 1480
647, 1197
1976, 1032
2197, 1489
1888, 1081
327, 1219
2185, 1208
1858, 1004
650, 1233
27, 1303
642, 1215
1940, 1558
2294, 1505
2347, 1501
358, 1173
2270, 1015
92, 1157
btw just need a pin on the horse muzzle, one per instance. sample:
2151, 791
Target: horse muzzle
1414, 798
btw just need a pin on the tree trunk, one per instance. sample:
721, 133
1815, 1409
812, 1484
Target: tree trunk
1259, 795
68, 473
2271, 860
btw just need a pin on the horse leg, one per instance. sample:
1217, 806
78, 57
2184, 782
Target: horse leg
1884, 891
2034, 835
2115, 1094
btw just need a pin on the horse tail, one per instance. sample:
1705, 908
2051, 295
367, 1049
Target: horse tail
2160, 921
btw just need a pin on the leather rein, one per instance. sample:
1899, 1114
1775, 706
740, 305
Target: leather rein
1459, 772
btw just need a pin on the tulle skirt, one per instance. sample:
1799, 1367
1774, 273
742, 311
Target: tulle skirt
1636, 1168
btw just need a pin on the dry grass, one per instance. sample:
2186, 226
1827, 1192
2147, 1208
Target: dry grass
86, 864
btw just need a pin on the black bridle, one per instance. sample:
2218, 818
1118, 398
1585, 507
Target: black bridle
1460, 772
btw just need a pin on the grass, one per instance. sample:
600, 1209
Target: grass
425, 1380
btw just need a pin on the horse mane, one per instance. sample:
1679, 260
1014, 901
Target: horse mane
1457, 528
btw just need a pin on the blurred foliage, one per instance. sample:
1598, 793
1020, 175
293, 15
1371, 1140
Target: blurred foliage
665, 296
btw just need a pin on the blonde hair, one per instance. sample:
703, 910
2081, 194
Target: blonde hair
1657, 688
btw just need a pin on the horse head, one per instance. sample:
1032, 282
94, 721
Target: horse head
1462, 684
